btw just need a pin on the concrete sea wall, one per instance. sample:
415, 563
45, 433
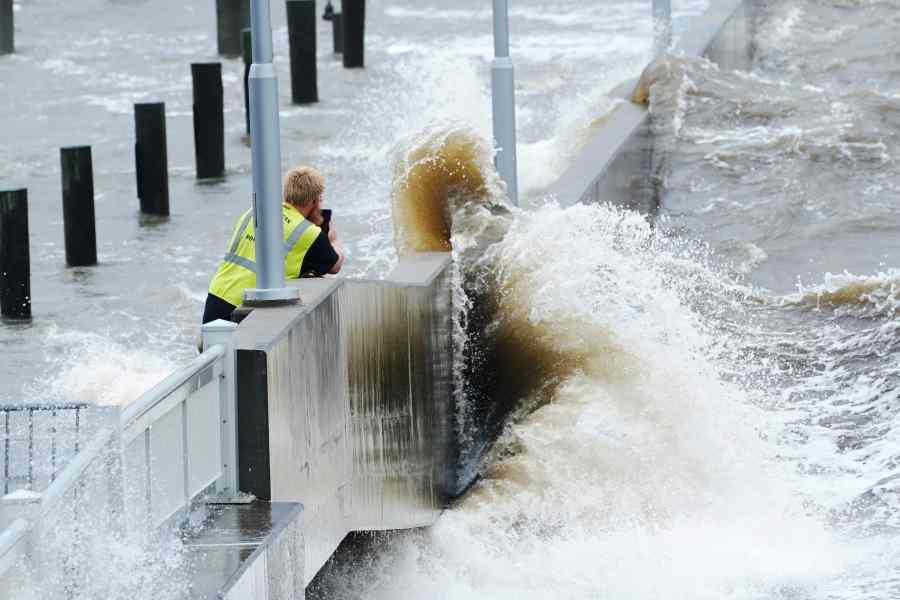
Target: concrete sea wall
618, 165
345, 403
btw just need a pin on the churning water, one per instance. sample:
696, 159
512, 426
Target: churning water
707, 405
80, 67
716, 414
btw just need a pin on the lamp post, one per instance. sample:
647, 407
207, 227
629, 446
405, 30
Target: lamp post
266, 158
504, 102
662, 27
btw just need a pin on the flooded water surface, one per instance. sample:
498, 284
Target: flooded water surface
705, 404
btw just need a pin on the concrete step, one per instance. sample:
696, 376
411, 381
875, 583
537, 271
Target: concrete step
247, 552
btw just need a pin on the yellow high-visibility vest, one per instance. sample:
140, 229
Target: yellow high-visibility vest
238, 269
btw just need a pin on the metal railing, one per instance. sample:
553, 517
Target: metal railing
175, 444
173, 437
58, 420
13, 545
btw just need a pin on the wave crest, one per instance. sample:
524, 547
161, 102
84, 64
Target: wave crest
440, 170
863, 295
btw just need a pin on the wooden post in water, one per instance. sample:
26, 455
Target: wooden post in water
78, 206
354, 33
247, 39
15, 268
301, 18
209, 120
151, 162
231, 17
337, 30
7, 21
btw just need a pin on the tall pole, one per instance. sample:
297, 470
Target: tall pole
265, 152
662, 27
504, 102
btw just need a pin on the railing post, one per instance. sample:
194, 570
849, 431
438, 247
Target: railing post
662, 27
115, 475
221, 333
504, 102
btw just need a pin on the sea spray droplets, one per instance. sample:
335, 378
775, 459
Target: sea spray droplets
92, 368
640, 472
438, 170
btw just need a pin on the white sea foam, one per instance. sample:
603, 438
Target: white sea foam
579, 117
645, 474
96, 369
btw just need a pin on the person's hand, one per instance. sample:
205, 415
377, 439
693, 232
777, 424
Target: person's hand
332, 234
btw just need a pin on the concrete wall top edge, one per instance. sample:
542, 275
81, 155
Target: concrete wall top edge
414, 270
598, 153
419, 269
266, 326
706, 27
603, 147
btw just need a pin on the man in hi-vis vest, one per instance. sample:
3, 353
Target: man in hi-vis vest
310, 245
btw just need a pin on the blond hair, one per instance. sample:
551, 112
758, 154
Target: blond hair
302, 186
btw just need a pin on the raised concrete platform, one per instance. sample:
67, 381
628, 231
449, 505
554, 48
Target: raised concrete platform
247, 552
345, 403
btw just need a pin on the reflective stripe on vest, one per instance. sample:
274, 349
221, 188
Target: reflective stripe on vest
238, 269
232, 256
295, 236
245, 221
235, 259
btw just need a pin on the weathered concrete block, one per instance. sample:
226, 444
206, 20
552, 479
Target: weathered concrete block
345, 401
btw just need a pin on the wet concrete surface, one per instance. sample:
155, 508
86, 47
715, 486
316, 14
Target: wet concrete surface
224, 549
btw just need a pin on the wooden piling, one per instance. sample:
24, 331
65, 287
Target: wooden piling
15, 268
78, 206
301, 19
337, 30
231, 17
354, 22
7, 23
209, 120
151, 162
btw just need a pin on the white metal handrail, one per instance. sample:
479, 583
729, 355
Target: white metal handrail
177, 441
13, 544
143, 406
69, 477
172, 453
179, 437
